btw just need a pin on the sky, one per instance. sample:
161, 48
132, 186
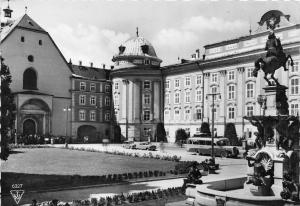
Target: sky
92, 30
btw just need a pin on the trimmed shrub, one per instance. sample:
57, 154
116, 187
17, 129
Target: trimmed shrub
181, 135
230, 133
205, 128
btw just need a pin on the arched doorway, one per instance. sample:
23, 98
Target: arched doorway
88, 132
29, 127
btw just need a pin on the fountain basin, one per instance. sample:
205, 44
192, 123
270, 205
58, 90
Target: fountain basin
233, 192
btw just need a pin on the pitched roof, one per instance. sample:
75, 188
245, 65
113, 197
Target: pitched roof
25, 22
89, 72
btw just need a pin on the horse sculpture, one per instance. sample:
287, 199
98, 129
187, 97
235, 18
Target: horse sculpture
275, 58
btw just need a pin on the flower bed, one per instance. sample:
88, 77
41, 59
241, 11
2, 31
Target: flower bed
129, 199
174, 158
30, 146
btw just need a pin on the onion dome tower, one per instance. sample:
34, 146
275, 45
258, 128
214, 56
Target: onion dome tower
137, 89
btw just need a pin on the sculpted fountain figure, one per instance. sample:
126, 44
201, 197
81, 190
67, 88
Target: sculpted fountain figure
278, 123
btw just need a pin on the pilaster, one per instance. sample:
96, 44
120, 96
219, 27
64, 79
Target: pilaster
223, 82
206, 91
157, 100
240, 93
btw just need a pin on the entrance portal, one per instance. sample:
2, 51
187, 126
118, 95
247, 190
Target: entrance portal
87, 133
29, 127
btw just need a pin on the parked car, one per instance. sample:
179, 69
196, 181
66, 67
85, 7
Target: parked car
201, 135
145, 146
129, 145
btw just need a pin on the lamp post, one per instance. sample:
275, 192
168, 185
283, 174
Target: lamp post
67, 110
213, 123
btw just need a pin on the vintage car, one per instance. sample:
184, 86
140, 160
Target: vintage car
145, 146
202, 146
129, 145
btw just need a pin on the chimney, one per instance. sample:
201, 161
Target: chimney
103, 65
198, 54
193, 56
92, 64
80, 63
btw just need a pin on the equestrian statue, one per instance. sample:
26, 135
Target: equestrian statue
275, 56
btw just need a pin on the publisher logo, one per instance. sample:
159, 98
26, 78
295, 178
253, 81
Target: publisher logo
17, 192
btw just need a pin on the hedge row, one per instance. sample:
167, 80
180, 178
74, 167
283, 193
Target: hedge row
120, 199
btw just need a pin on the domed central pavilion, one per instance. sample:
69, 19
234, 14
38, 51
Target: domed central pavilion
137, 89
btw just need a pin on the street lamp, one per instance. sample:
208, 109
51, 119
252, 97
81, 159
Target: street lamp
67, 110
213, 122
262, 101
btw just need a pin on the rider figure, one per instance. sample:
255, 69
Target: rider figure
274, 47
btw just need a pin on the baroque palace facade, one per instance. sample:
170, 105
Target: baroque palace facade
225, 69
56, 97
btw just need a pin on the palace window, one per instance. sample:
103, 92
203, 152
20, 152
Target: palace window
187, 81
231, 112
82, 86
214, 91
93, 87
92, 116
167, 98
107, 101
231, 75
250, 90
177, 83
187, 97
198, 95
40, 42
116, 99
295, 68
295, 84
147, 98
187, 115
294, 109
81, 115
30, 79
198, 114
167, 84
93, 100
167, 114
107, 88
250, 72
176, 114
231, 92
107, 116
215, 113
198, 80
82, 99
116, 85
146, 115
100, 101
147, 84
250, 110
177, 98
214, 78
22, 39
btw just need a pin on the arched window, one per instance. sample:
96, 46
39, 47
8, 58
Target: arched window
30, 79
